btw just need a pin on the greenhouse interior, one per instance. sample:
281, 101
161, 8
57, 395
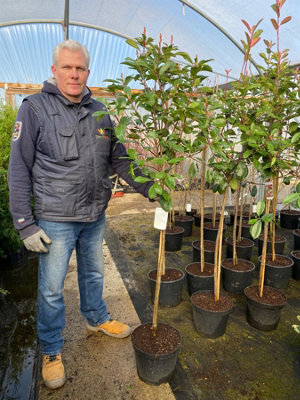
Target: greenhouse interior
180, 135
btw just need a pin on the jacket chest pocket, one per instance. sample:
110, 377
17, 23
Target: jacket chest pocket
67, 143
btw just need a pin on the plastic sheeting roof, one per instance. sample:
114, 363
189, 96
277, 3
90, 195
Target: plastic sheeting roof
29, 30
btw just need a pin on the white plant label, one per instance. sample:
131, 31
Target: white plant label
254, 208
188, 207
160, 219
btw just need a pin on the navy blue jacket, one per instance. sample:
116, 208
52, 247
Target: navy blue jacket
64, 156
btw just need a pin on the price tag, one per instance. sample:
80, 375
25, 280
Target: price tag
160, 219
269, 190
188, 207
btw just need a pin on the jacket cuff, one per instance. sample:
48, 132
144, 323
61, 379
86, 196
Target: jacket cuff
28, 231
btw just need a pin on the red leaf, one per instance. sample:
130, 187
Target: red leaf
282, 2
274, 23
254, 41
285, 20
246, 25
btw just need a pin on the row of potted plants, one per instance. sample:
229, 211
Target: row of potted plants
177, 126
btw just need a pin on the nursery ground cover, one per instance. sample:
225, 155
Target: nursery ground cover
245, 363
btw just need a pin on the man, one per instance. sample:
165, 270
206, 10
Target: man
63, 155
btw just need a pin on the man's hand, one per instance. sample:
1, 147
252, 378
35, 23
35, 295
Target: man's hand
36, 241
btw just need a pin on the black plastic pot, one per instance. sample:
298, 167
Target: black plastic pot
209, 255
289, 219
246, 230
278, 276
208, 217
279, 245
296, 267
261, 315
235, 281
198, 282
211, 233
296, 234
186, 222
174, 239
152, 368
170, 291
243, 252
245, 217
209, 323
192, 212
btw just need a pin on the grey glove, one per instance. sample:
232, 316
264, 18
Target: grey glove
35, 242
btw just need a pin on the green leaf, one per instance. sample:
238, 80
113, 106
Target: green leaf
267, 217
219, 122
165, 204
255, 229
298, 187
132, 43
260, 207
192, 171
295, 137
155, 190
141, 179
291, 198
241, 170
234, 183
254, 191
165, 67
170, 182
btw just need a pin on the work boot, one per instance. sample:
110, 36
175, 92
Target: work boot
111, 328
53, 371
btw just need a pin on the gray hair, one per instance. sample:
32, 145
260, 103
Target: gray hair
71, 45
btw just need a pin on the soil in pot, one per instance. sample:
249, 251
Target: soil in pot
278, 272
237, 277
171, 286
296, 267
197, 279
155, 356
243, 248
210, 317
296, 234
279, 244
209, 251
289, 219
264, 312
186, 222
173, 239
192, 212
211, 232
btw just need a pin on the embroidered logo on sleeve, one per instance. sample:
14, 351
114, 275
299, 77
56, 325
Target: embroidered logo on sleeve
17, 130
101, 134
21, 220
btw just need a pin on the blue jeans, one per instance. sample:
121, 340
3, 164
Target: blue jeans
87, 238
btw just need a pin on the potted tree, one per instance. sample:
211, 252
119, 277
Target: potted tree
159, 119
270, 143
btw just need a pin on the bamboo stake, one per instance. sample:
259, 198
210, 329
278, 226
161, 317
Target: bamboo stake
214, 209
202, 191
264, 252
219, 255
236, 207
239, 236
273, 223
158, 281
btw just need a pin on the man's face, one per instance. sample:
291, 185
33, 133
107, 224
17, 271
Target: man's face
71, 73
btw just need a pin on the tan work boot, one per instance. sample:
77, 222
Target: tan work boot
111, 328
53, 371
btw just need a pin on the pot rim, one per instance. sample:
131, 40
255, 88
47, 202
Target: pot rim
230, 269
250, 245
166, 282
197, 262
164, 355
176, 233
293, 251
214, 311
295, 233
278, 266
267, 304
